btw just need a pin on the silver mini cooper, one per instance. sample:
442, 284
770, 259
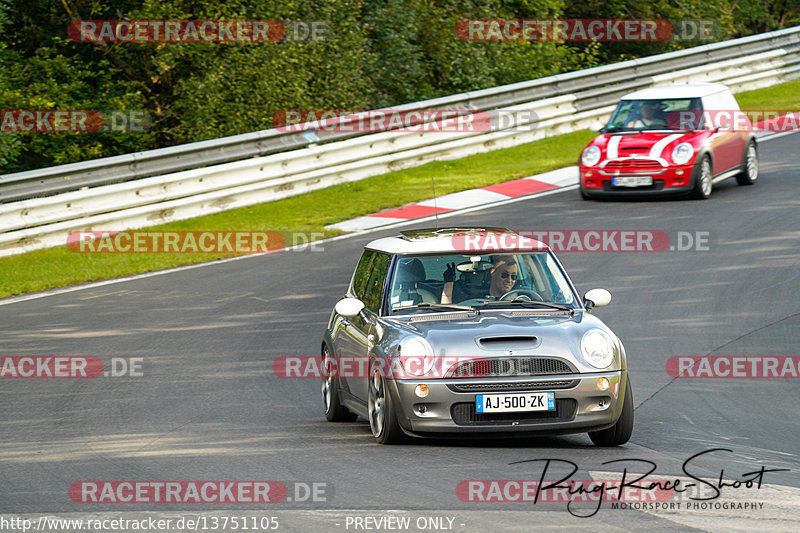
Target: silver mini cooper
472, 331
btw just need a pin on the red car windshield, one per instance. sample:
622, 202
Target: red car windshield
664, 114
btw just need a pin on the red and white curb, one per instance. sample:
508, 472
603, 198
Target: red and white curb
556, 179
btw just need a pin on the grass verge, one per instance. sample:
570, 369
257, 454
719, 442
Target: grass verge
311, 212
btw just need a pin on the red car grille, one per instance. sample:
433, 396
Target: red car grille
634, 165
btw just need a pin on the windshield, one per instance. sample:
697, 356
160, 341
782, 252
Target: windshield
478, 281
651, 114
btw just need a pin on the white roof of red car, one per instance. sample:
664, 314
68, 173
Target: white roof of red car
457, 240
682, 90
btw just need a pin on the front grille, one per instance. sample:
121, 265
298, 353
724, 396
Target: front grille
464, 414
634, 165
510, 366
517, 386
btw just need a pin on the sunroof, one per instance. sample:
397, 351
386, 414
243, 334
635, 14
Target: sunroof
419, 234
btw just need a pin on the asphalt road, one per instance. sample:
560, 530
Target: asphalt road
207, 406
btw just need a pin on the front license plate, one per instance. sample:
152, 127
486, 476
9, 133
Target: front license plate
512, 403
632, 181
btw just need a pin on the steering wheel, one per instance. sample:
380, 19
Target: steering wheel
523, 293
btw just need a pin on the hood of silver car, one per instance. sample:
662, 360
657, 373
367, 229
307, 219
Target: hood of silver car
522, 332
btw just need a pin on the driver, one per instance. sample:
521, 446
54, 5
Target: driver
504, 275
648, 116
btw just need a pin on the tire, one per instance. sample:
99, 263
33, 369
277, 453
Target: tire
619, 433
334, 411
585, 196
703, 175
749, 175
381, 412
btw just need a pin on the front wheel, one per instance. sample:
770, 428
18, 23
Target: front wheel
619, 433
334, 411
702, 179
382, 418
749, 175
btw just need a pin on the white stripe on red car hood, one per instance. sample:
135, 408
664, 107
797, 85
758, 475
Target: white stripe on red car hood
655, 151
612, 148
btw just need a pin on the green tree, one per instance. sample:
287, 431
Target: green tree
381, 53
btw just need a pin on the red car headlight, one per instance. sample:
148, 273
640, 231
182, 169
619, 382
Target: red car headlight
682, 153
590, 156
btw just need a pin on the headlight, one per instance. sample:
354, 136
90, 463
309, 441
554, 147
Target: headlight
597, 348
416, 356
682, 153
591, 155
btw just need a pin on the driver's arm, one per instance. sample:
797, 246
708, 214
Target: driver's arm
449, 277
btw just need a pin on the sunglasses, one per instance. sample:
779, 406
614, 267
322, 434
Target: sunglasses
505, 275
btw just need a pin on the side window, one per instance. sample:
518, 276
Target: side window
561, 291
362, 273
375, 282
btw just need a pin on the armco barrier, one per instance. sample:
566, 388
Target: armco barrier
135, 190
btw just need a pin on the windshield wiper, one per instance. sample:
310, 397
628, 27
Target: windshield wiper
526, 301
426, 305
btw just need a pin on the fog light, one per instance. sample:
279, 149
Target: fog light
588, 174
422, 390
679, 172
602, 383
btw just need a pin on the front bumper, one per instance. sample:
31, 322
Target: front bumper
674, 180
580, 405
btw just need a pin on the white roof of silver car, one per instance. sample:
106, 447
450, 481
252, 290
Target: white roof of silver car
683, 90
457, 240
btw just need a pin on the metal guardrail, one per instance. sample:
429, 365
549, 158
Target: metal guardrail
148, 188
608, 82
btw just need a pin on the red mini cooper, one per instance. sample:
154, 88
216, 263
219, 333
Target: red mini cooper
670, 140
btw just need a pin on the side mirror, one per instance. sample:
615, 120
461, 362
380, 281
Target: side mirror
596, 126
349, 307
596, 298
